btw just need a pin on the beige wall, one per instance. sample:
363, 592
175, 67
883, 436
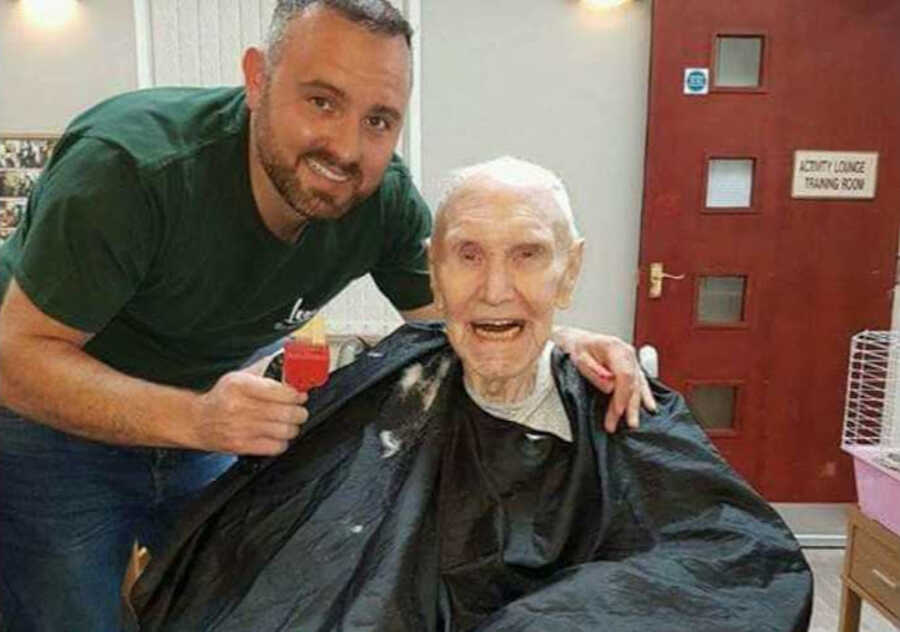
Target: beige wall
47, 75
548, 81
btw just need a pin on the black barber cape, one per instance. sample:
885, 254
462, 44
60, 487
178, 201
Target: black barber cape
404, 506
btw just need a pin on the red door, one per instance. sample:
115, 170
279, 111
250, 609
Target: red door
776, 278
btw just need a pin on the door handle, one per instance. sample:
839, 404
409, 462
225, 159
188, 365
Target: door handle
657, 274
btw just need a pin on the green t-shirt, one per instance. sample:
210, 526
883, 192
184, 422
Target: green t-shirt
143, 230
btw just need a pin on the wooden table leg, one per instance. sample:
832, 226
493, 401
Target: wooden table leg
850, 609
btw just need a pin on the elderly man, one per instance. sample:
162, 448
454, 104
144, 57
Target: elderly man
470, 487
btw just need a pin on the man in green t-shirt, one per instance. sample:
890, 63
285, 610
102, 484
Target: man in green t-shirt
173, 233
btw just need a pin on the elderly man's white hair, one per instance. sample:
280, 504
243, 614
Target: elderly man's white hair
513, 172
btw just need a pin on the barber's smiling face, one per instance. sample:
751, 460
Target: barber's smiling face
328, 115
500, 268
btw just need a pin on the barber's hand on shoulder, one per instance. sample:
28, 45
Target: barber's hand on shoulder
611, 365
248, 414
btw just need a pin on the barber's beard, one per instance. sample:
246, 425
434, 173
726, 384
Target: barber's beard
308, 203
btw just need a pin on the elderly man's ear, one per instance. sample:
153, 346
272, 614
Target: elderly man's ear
570, 275
438, 298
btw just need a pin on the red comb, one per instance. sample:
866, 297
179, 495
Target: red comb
305, 364
306, 357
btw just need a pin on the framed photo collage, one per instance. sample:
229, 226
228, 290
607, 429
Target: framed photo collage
22, 157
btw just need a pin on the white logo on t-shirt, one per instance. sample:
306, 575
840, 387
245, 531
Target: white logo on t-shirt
297, 317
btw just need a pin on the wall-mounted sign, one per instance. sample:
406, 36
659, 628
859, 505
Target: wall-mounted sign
696, 80
834, 174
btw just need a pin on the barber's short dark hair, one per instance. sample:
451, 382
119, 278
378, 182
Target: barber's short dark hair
378, 16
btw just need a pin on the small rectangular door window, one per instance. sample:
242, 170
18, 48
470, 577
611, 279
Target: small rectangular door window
714, 405
720, 300
738, 61
729, 183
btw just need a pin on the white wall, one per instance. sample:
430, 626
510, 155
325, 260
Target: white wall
200, 42
47, 74
549, 81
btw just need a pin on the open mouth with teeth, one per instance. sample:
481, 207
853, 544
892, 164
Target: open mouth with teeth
497, 329
327, 171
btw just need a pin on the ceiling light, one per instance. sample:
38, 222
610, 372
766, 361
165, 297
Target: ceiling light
48, 13
598, 5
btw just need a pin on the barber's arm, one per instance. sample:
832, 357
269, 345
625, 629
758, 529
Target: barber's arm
46, 375
422, 314
89, 246
611, 365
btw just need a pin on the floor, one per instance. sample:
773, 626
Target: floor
827, 565
822, 530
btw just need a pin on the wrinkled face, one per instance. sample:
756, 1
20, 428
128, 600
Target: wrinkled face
327, 117
500, 267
